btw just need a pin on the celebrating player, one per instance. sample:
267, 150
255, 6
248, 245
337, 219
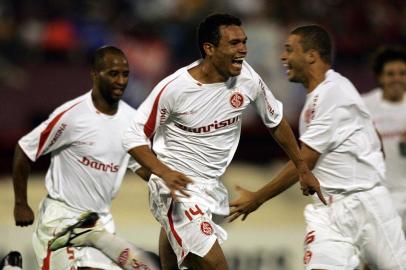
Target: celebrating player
196, 114
88, 162
341, 146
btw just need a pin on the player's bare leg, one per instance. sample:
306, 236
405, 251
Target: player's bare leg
214, 260
166, 254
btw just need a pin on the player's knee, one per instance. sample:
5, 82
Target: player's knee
214, 260
196, 262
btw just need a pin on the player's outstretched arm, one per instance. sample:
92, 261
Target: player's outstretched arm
23, 214
144, 173
250, 201
284, 136
288, 176
174, 180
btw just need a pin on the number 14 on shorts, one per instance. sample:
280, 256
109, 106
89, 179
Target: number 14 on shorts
193, 212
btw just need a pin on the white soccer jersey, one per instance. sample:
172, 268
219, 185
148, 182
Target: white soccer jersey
88, 161
336, 123
390, 121
197, 126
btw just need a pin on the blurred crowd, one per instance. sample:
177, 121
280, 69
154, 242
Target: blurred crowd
39, 38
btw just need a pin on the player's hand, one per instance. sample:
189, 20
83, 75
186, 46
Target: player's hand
244, 205
310, 185
176, 181
23, 215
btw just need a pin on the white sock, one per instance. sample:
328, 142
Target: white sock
122, 252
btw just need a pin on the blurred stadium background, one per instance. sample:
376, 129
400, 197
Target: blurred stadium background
44, 52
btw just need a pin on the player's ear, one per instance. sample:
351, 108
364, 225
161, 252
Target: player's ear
208, 48
311, 56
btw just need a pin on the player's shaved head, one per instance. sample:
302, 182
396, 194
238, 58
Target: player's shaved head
317, 38
98, 60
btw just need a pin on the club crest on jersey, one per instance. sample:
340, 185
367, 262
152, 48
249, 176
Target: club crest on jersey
236, 99
206, 228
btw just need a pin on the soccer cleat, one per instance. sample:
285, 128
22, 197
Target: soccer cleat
75, 235
12, 259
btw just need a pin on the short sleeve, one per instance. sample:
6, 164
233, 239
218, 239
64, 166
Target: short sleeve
133, 165
152, 113
268, 107
329, 129
49, 136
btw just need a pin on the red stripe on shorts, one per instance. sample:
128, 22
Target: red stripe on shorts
47, 261
149, 126
175, 234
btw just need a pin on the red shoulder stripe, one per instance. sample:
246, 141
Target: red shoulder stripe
45, 133
149, 126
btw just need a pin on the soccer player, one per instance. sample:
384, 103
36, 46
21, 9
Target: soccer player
196, 114
387, 105
341, 146
88, 163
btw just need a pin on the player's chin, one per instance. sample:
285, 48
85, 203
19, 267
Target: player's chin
235, 72
116, 98
292, 78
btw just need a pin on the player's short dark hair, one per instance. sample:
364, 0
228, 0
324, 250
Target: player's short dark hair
386, 54
317, 38
209, 29
97, 59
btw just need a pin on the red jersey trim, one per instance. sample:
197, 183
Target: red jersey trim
149, 126
45, 133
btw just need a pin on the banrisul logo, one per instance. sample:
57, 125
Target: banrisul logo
105, 167
211, 127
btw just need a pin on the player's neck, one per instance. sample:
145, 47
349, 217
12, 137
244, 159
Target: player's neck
315, 76
206, 73
102, 105
392, 98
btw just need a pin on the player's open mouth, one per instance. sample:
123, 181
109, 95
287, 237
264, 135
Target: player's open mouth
237, 62
288, 68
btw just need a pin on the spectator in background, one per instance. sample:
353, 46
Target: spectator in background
387, 105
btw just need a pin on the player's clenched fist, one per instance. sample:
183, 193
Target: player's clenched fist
23, 215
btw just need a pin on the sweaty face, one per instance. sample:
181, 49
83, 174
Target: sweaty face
293, 59
228, 56
393, 79
112, 78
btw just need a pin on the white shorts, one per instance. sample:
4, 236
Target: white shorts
53, 217
399, 200
363, 224
188, 225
